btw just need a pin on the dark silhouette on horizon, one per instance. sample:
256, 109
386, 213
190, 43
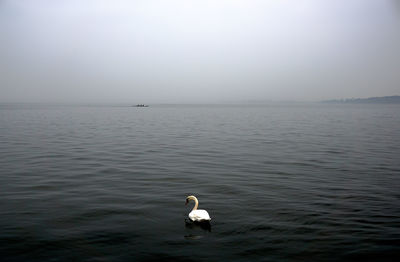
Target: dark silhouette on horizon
370, 100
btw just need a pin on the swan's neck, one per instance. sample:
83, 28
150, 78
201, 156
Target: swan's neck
196, 204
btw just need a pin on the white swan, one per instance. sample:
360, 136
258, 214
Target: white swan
197, 215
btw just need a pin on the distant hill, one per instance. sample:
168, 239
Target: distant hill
370, 100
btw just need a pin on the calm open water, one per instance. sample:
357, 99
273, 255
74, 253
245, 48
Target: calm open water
300, 182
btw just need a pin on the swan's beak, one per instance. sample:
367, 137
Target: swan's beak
187, 201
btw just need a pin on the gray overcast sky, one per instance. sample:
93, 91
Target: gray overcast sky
197, 51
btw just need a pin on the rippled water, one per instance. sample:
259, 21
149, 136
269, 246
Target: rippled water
306, 182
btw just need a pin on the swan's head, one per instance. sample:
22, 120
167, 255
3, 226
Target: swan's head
190, 198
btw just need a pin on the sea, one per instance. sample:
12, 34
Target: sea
281, 182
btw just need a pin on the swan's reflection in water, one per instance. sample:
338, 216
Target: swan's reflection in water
197, 229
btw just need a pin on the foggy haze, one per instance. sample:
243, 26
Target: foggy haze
185, 51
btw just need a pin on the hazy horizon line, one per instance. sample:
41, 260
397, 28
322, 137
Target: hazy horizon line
225, 102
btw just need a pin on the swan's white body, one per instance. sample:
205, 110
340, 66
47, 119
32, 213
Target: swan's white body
197, 215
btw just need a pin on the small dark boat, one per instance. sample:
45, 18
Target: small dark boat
141, 105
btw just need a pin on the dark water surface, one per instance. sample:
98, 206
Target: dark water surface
305, 182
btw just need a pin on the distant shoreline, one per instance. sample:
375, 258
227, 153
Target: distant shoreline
370, 100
